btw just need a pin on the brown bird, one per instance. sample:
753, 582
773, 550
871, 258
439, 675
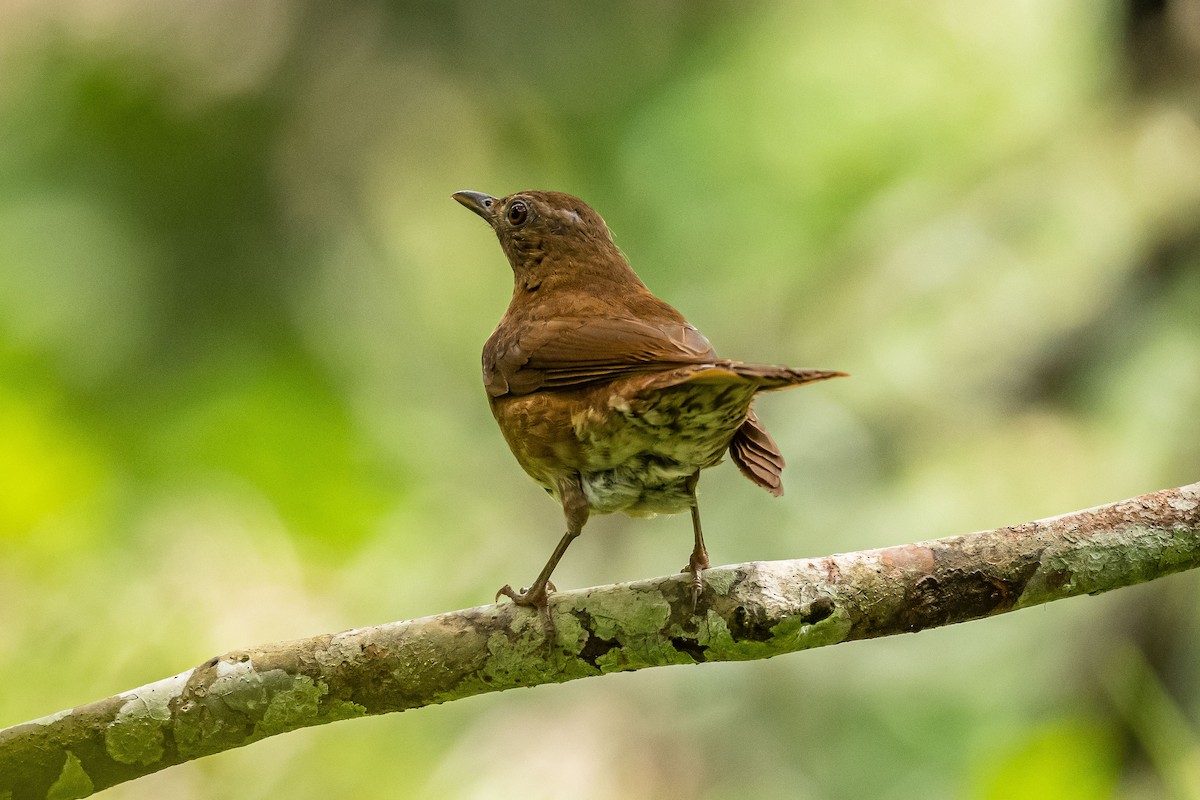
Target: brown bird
606, 395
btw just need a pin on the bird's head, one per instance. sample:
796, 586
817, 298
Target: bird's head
546, 231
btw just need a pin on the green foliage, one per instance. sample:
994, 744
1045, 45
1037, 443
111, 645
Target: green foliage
1063, 760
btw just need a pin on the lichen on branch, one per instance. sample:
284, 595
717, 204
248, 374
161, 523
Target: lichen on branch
748, 611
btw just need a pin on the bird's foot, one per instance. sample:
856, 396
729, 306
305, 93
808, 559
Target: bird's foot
534, 596
538, 598
696, 565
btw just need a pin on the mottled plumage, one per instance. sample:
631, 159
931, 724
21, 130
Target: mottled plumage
606, 395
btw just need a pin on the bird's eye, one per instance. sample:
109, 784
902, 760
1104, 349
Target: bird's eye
517, 213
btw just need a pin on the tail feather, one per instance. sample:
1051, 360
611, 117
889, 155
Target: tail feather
757, 456
773, 378
768, 378
752, 448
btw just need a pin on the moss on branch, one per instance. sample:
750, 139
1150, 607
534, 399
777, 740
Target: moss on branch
748, 611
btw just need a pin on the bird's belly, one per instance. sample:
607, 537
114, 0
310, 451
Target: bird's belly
640, 453
638, 489
633, 452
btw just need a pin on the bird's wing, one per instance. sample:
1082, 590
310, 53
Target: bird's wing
571, 352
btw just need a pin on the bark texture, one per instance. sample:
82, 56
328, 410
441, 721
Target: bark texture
748, 611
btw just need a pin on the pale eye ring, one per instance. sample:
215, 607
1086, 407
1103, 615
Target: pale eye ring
518, 212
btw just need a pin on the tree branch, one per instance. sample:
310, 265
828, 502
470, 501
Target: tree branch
748, 611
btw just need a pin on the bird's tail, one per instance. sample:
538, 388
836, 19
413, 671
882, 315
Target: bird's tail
766, 378
757, 456
752, 449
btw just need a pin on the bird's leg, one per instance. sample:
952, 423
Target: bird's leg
699, 559
575, 509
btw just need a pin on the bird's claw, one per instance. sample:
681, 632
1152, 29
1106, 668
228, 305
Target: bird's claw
533, 597
695, 566
536, 598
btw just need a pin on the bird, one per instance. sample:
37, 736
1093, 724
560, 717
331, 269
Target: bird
608, 398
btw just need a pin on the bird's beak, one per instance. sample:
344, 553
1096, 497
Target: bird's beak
482, 204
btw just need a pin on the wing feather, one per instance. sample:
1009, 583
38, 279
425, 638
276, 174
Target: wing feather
568, 353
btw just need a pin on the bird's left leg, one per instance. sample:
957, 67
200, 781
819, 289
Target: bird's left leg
575, 509
699, 559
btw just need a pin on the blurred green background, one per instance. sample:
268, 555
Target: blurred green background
240, 324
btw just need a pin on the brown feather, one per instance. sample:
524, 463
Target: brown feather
757, 456
571, 352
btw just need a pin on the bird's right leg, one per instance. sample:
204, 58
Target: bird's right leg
575, 509
699, 558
